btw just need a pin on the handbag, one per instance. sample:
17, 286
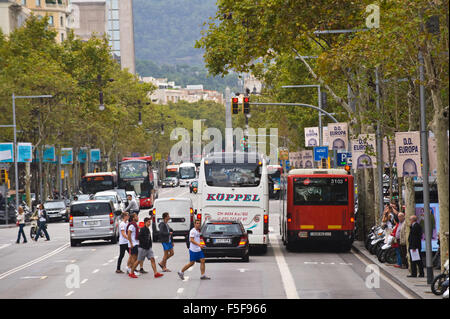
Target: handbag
17, 223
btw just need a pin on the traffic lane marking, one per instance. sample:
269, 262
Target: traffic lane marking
34, 261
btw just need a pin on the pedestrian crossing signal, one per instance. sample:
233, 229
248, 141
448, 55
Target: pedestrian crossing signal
246, 105
235, 105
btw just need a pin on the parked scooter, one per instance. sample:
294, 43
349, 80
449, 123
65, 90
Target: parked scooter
387, 253
440, 283
377, 241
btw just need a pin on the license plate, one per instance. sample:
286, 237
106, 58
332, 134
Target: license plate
221, 241
320, 233
92, 223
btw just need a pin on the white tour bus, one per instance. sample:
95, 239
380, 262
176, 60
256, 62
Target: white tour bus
187, 173
234, 186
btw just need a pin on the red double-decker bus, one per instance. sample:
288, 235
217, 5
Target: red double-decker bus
136, 174
318, 207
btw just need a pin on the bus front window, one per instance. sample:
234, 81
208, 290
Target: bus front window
233, 175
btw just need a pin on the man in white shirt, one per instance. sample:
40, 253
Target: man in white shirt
123, 241
133, 243
195, 252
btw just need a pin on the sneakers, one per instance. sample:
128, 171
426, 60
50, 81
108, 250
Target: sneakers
137, 273
128, 270
204, 277
118, 271
397, 266
181, 275
142, 271
157, 275
132, 276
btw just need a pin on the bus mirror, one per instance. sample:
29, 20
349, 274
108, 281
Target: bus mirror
249, 232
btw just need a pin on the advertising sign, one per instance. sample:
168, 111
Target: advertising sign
49, 154
363, 151
25, 152
308, 159
295, 159
6, 153
434, 221
311, 136
408, 154
66, 156
95, 155
82, 155
338, 136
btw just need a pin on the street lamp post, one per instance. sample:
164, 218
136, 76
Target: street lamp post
14, 126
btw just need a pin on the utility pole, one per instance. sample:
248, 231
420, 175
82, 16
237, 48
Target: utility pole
228, 122
379, 147
425, 171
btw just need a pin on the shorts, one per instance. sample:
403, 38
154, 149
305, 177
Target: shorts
167, 246
133, 251
196, 255
145, 253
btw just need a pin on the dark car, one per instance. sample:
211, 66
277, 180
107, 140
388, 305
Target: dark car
225, 239
56, 210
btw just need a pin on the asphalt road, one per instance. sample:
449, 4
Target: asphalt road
54, 270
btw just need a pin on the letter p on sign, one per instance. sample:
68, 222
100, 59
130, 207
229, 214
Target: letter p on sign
373, 19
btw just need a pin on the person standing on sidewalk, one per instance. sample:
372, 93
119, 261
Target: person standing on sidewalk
401, 235
415, 243
396, 245
195, 252
133, 243
42, 223
123, 241
21, 222
145, 248
165, 235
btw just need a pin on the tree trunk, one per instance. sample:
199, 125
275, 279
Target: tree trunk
28, 183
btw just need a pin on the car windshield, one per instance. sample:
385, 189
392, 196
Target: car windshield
54, 205
222, 229
106, 197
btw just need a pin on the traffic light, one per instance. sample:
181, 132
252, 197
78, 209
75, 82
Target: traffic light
3, 176
246, 105
235, 105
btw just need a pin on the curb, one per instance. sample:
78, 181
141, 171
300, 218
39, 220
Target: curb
387, 273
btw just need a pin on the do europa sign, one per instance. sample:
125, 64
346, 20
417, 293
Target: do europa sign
408, 153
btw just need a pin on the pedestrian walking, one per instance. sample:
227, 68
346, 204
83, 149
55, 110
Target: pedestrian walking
20, 217
133, 243
42, 223
415, 244
123, 241
145, 248
166, 237
195, 252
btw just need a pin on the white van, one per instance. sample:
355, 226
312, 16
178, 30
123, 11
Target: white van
181, 212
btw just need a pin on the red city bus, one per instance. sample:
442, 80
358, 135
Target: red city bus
136, 174
318, 207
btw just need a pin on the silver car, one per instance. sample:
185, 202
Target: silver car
93, 220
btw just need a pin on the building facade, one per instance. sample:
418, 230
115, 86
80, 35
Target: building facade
12, 16
56, 10
88, 18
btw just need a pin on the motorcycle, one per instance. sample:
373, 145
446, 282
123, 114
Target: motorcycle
439, 286
377, 241
34, 226
387, 253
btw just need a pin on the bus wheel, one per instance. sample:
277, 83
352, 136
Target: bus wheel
290, 246
263, 249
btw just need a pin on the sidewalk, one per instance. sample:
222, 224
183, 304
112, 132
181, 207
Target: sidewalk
416, 286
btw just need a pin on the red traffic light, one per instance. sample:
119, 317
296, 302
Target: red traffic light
235, 100
246, 100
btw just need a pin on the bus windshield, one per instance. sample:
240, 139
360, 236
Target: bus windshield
94, 184
320, 191
233, 175
172, 172
187, 172
133, 170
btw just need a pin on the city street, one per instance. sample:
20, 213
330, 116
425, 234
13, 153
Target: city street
54, 270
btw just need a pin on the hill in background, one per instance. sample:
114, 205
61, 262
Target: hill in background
165, 32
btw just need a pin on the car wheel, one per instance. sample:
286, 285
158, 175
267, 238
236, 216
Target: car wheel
73, 242
246, 258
